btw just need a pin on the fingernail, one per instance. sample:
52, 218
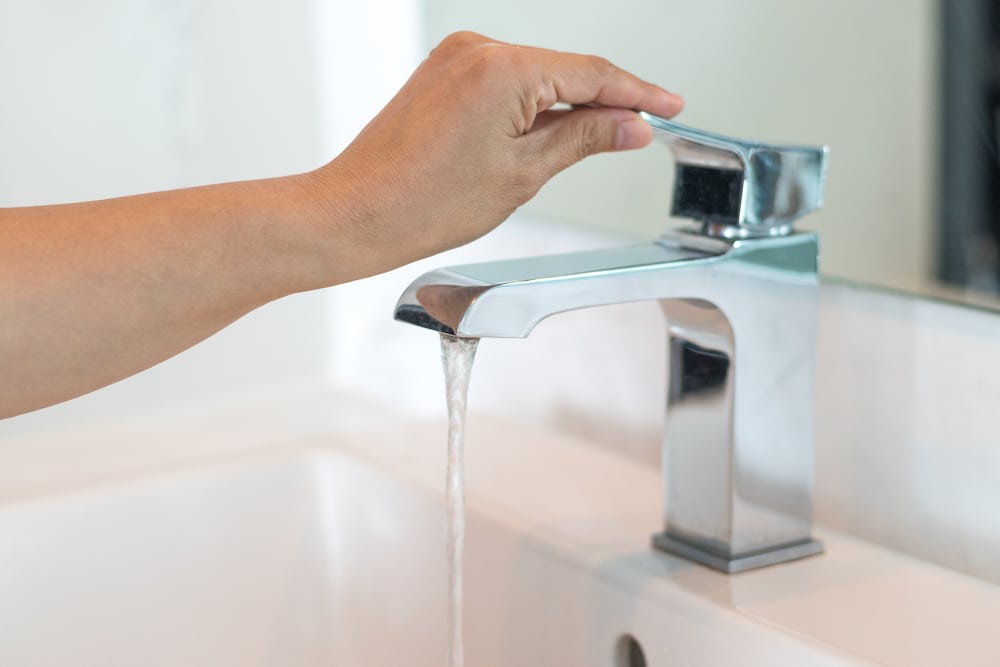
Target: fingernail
632, 133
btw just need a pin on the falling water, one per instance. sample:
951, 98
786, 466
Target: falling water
457, 355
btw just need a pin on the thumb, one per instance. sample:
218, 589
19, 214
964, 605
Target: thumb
574, 135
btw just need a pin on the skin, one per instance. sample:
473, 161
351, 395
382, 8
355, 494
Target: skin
94, 292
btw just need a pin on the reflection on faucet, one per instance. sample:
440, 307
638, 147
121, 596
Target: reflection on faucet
447, 304
740, 307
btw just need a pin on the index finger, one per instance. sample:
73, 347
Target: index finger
580, 79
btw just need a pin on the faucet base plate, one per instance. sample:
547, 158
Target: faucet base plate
672, 545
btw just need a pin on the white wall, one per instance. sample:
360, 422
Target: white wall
112, 97
853, 74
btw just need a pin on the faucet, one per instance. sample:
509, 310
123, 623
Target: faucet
739, 294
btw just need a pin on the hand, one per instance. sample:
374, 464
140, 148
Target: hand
472, 136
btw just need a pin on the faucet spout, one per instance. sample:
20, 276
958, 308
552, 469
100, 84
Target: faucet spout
506, 299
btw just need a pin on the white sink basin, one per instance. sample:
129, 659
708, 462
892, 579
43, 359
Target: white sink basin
326, 547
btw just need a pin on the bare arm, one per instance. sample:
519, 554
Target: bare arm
93, 292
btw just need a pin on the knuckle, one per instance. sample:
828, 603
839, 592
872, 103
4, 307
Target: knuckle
604, 66
603, 69
473, 57
493, 66
601, 64
461, 40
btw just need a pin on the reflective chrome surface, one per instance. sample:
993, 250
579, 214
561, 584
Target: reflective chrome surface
739, 188
738, 444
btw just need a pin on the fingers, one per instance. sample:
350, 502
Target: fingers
608, 86
548, 77
580, 79
561, 138
604, 119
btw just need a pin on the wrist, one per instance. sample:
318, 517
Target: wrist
353, 214
325, 209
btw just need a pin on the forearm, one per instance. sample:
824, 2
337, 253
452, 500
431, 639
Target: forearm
94, 292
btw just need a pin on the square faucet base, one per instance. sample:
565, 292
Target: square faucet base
783, 554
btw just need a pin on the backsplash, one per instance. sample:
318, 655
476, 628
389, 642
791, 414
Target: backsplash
908, 453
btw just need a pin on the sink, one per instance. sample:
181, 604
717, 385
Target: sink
296, 533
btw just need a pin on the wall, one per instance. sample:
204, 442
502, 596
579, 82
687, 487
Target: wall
119, 96
856, 75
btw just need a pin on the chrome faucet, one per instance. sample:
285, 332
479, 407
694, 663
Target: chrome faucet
739, 296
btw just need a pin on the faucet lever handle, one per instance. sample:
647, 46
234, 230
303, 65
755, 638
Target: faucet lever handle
737, 188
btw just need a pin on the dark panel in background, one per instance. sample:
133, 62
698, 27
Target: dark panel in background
969, 174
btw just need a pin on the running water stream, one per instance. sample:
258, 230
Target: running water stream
457, 355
